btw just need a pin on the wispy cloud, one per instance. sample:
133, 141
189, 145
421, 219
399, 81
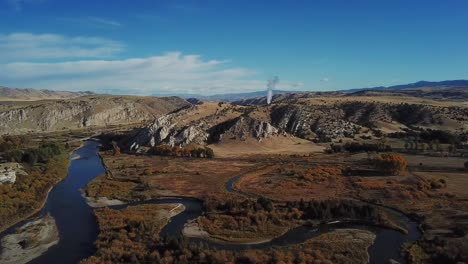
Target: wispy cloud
92, 21
27, 46
326, 79
104, 21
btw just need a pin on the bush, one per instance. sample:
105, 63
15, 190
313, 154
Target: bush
13, 156
189, 151
444, 137
390, 163
42, 154
359, 147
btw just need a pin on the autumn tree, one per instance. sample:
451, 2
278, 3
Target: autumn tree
391, 163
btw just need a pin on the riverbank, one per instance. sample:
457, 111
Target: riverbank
29, 241
193, 230
99, 202
57, 169
35, 211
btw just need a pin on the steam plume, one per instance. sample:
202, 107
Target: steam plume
271, 85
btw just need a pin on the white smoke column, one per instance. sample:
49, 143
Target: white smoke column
271, 85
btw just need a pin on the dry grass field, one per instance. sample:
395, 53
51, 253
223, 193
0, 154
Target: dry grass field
152, 176
273, 145
289, 181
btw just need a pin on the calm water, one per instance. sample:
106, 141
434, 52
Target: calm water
75, 219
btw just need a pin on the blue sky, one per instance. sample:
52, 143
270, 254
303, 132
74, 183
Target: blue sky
209, 47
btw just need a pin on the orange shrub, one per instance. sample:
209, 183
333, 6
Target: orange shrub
391, 163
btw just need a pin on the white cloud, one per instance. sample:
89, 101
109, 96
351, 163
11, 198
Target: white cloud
326, 79
168, 73
27, 46
56, 62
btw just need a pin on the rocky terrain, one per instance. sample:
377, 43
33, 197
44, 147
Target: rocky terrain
82, 112
7, 94
320, 119
29, 241
8, 172
202, 124
344, 118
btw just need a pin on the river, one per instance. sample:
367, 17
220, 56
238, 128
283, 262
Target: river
78, 228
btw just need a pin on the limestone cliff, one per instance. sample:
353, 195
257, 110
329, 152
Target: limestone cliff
194, 125
90, 111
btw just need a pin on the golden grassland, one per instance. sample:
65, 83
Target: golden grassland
289, 181
382, 99
152, 176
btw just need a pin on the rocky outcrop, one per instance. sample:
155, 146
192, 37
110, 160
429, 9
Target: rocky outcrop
312, 122
241, 128
8, 172
346, 118
7, 176
97, 111
166, 130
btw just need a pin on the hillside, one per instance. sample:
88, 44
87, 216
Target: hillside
17, 94
418, 94
433, 93
82, 112
227, 127
426, 84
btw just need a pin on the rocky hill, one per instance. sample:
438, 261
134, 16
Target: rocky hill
202, 124
88, 111
314, 119
7, 94
262, 100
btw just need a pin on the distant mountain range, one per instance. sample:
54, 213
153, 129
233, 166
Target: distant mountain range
7, 93
461, 86
417, 85
231, 97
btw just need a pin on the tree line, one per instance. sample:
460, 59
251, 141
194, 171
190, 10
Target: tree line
188, 151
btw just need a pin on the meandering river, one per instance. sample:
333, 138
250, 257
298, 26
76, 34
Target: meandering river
78, 228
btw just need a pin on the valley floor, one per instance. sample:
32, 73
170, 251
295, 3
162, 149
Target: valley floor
295, 178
